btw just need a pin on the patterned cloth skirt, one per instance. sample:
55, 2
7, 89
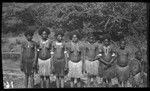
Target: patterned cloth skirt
107, 72
44, 67
123, 73
75, 69
91, 67
28, 67
59, 67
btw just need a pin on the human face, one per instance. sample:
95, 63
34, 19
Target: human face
29, 37
59, 37
106, 42
91, 39
74, 38
44, 35
138, 55
122, 44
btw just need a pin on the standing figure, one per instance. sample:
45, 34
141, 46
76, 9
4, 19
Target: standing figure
91, 64
75, 64
28, 58
107, 59
123, 64
59, 59
138, 73
44, 57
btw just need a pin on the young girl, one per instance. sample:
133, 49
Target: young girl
138, 73
75, 51
28, 58
123, 65
59, 59
91, 65
44, 57
107, 59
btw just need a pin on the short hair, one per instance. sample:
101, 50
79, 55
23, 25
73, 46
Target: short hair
41, 30
29, 32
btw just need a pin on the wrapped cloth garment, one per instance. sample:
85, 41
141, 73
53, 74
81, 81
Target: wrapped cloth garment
28, 67
75, 69
44, 67
59, 67
91, 67
105, 72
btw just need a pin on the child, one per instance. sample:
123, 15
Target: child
28, 58
138, 70
44, 57
123, 65
91, 65
75, 51
58, 47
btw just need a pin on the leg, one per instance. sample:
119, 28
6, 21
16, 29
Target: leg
32, 81
26, 80
95, 81
78, 82
62, 82
72, 82
47, 81
57, 81
42, 81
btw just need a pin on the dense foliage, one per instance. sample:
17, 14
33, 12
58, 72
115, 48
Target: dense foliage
127, 18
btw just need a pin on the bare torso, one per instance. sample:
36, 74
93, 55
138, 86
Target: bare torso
44, 50
59, 49
91, 51
75, 52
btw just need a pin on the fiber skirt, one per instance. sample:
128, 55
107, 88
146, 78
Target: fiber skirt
59, 67
91, 67
44, 67
123, 73
75, 69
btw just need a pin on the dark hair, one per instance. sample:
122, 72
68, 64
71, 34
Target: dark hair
59, 33
41, 30
29, 32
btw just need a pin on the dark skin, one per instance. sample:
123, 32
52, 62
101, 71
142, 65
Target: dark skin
123, 59
138, 56
33, 57
108, 59
44, 53
91, 51
75, 56
107, 43
59, 53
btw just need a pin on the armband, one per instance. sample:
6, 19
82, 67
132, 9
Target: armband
113, 54
52, 52
99, 55
65, 51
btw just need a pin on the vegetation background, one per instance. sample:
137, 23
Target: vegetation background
129, 19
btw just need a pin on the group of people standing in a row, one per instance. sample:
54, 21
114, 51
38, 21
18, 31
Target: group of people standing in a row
76, 58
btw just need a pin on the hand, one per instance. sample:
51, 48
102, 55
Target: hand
21, 67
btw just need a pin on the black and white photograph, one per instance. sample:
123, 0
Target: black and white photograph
74, 45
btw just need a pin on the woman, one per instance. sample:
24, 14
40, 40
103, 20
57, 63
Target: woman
75, 64
59, 59
44, 56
